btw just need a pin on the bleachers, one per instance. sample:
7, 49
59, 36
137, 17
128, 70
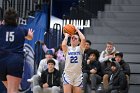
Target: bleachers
133, 49
120, 23
120, 14
113, 31
121, 7
134, 68
116, 23
116, 2
116, 39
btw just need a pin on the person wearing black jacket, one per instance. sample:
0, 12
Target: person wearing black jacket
125, 66
49, 81
87, 50
117, 79
106, 68
106, 71
91, 71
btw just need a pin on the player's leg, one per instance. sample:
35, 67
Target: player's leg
13, 84
67, 83
3, 69
68, 88
14, 72
77, 90
78, 83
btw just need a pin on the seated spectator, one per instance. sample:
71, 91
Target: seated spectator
48, 55
106, 71
91, 71
43, 66
49, 81
117, 79
125, 66
87, 50
58, 54
108, 53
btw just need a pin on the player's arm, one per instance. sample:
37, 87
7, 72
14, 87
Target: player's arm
83, 39
29, 35
64, 42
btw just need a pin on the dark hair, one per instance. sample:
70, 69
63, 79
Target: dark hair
119, 54
95, 52
10, 16
51, 61
88, 41
113, 64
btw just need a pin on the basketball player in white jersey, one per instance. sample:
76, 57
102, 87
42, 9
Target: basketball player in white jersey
72, 76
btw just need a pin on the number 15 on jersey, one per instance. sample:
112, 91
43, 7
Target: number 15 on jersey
10, 36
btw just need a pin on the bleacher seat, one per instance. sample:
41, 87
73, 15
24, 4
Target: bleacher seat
120, 23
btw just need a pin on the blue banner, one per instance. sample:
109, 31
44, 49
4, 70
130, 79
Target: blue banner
38, 24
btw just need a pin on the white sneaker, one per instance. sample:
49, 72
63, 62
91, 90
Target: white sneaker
30, 80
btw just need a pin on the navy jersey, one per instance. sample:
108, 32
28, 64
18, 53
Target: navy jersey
12, 38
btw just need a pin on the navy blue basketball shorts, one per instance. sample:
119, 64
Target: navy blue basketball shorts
11, 64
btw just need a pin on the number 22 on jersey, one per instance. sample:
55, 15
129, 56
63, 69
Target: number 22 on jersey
73, 59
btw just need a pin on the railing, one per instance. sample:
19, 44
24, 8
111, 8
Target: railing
24, 7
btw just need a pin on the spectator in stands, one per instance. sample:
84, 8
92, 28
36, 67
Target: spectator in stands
49, 81
60, 57
108, 53
43, 66
117, 79
58, 54
45, 48
106, 71
87, 50
48, 55
125, 66
92, 71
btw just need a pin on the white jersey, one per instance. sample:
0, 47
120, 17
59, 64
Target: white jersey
73, 63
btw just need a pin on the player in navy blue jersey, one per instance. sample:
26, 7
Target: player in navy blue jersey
12, 39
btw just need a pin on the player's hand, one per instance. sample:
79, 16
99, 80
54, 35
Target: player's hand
30, 34
77, 30
31, 30
66, 35
45, 85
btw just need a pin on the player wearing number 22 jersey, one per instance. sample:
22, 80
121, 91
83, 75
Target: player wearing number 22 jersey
73, 60
73, 66
72, 76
